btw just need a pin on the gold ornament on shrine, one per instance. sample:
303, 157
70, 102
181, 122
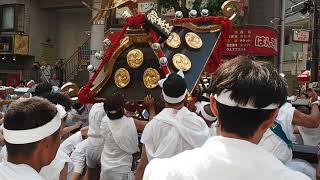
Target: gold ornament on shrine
135, 58
151, 77
104, 11
122, 78
181, 62
174, 40
193, 40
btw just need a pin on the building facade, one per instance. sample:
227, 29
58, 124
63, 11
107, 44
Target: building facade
297, 54
45, 30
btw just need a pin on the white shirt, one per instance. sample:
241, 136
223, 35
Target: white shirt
53, 170
213, 129
3, 154
120, 142
69, 144
174, 131
10, 171
223, 159
273, 143
95, 116
78, 156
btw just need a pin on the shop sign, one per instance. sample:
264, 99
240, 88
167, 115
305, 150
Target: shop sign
301, 35
252, 40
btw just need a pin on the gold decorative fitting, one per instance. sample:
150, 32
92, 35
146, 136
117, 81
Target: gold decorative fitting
193, 40
174, 40
231, 9
133, 37
135, 58
70, 88
181, 62
122, 3
150, 78
122, 78
107, 5
196, 28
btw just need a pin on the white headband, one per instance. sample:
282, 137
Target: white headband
225, 99
176, 100
172, 100
36, 134
112, 112
205, 115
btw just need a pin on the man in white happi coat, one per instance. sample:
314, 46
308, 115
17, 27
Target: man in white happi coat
175, 129
246, 96
203, 110
120, 141
78, 157
95, 141
32, 136
279, 138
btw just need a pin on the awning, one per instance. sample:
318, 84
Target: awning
306, 76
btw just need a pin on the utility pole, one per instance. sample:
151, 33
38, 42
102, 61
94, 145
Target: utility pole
315, 42
283, 14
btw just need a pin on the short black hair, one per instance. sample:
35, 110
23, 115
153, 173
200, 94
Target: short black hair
175, 86
208, 110
28, 114
58, 98
43, 88
248, 80
114, 103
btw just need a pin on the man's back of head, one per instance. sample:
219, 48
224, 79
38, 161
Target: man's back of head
247, 93
32, 131
174, 90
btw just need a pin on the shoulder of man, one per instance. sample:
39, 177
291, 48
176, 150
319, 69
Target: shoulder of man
194, 119
149, 129
163, 169
294, 175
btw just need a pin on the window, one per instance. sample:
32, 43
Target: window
12, 18
7, 17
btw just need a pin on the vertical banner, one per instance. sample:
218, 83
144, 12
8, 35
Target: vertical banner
21, 44
46, 54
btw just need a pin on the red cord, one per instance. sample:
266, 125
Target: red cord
159, 52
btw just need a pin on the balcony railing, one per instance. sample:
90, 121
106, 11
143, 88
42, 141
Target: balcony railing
79, 58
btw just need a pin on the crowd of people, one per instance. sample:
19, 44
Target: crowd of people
46, 73
243, 127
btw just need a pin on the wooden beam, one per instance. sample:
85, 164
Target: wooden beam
58, 4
